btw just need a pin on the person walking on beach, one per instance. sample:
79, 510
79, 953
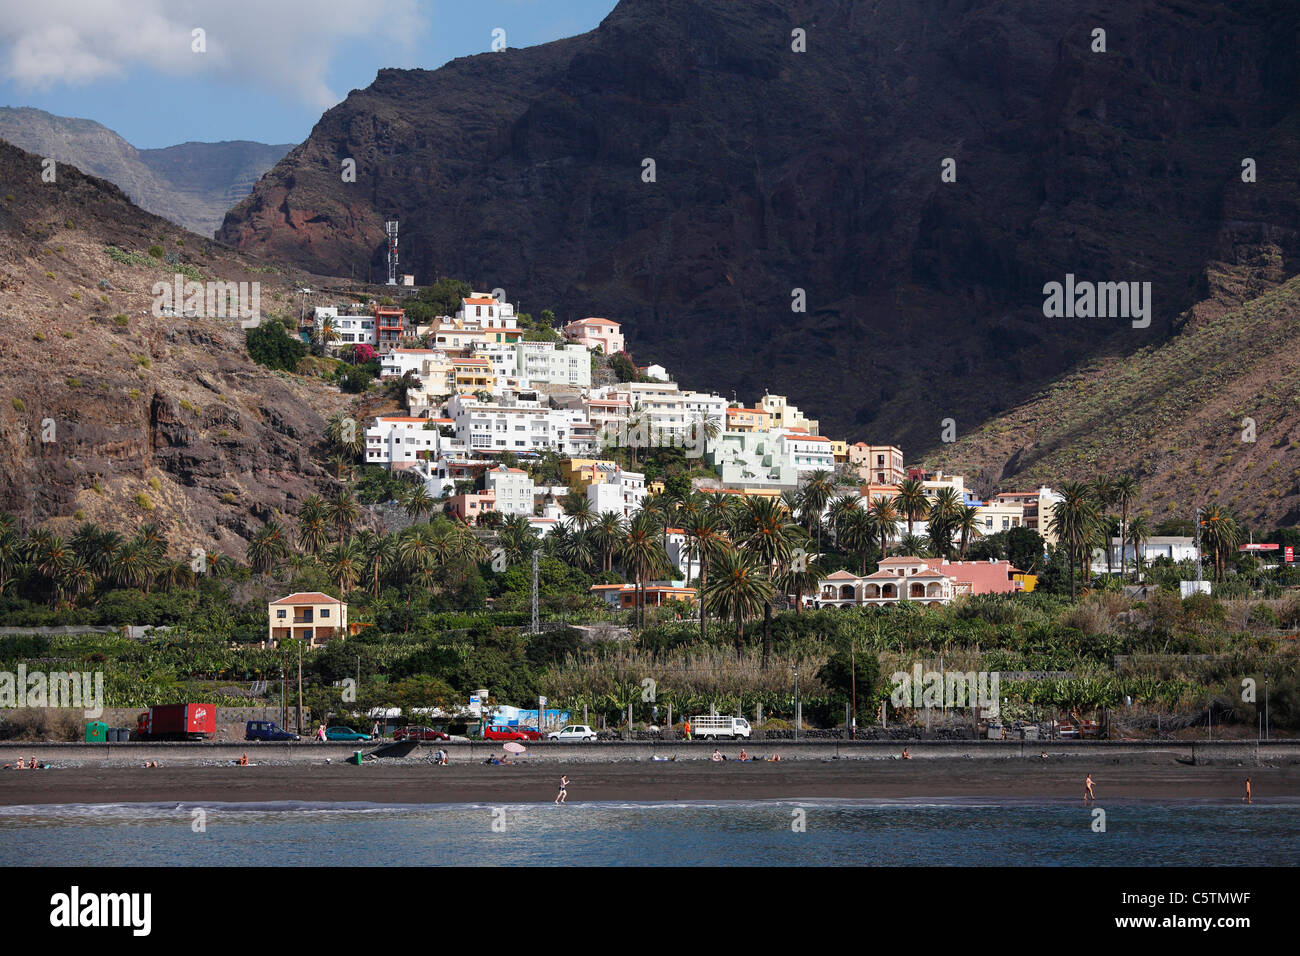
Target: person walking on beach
688, 729
374, 731
562, 796
1248, 798
1087, 790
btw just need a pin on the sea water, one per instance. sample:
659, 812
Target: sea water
786, 833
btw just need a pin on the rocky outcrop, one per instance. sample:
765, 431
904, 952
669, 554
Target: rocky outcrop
776, 170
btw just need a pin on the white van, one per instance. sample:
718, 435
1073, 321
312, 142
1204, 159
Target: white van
713, 726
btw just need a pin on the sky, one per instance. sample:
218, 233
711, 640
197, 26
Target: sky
267, 69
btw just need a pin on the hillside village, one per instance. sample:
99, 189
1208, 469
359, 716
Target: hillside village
482, 399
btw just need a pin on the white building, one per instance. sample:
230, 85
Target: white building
399, 441
398, 361
1174, 547
352, 329
519, 424
513, 489
807, 453
752, 460
621, 492
546, 363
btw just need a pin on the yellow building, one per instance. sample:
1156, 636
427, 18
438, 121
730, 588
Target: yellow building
784, 415
473, 375
840, 450
306, 616
748, 420
580, 472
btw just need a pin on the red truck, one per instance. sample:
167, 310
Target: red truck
178, 722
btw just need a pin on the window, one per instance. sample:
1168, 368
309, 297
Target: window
280, 613
324, 612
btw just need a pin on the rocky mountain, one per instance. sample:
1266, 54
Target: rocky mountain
111, 415
776, 170
192, 184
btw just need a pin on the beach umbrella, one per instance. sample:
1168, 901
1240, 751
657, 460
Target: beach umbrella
514, 747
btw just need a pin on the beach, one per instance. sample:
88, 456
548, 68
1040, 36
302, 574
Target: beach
1056, 780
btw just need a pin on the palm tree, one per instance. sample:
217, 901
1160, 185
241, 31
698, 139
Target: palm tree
608, 532
1220, 533
325, 335
73, 578
1073, 519
860, 534
967, 525
582, 515
914, 545
419, 503
885, 517
912, 501
1139, 530
1126, 492
12, 553
416, 554
518, 538
816, 493
345, 563
706, 540
944, 513
268, 545
343, 512
313, 529
342, 433
175, 574
840, 507
739, 590
643, 554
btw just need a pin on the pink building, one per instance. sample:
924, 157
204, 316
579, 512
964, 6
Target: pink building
604, 334
468, 507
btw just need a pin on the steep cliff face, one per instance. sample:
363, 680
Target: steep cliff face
192, 184
777, 170
114, 416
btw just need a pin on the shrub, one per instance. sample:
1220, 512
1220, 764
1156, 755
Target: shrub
39, 336
121, 321
19, 405
270, 345
143, 501
156, 251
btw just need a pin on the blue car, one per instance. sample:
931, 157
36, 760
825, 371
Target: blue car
267, 730
344, 733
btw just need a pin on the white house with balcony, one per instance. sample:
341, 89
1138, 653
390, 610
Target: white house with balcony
399, 441
352, 329
806, 452
752, 460
519, 422
621, 492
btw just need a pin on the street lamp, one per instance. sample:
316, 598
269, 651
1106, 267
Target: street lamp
795, 668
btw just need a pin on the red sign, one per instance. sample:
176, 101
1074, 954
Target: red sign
1290, 553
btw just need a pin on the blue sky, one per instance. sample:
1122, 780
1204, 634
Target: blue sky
268, 68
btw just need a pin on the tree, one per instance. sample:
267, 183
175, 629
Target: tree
816, 493
419, 503
1139, 530
343, 512
1073, 519
1125, 493
270, 345
967, 526
912, 501
268, 546
945, 511
739, 590
643, 554
885, 517
706, 540
1220, 535
608, 532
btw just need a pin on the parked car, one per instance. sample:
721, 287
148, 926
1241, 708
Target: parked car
502, 732
344, 733
573, 732
419, 733
267, 730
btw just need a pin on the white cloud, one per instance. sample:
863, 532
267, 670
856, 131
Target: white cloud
281, 45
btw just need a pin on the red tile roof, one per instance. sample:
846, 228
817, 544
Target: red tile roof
308, 597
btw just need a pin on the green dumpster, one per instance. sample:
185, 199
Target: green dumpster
356, 757
96, 732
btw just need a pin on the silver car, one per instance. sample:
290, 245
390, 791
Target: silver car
573, 732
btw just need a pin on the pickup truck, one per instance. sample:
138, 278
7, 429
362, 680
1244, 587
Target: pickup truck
267, 730
713, 726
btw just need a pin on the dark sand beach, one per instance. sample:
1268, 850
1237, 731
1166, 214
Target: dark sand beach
1050, 781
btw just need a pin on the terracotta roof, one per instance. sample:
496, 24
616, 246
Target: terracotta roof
589, 321
308, 597
488, 301
841, 575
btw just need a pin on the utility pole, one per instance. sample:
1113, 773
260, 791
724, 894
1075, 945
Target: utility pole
300, 688
1266, 705
284, 688
853, 679
796, 702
